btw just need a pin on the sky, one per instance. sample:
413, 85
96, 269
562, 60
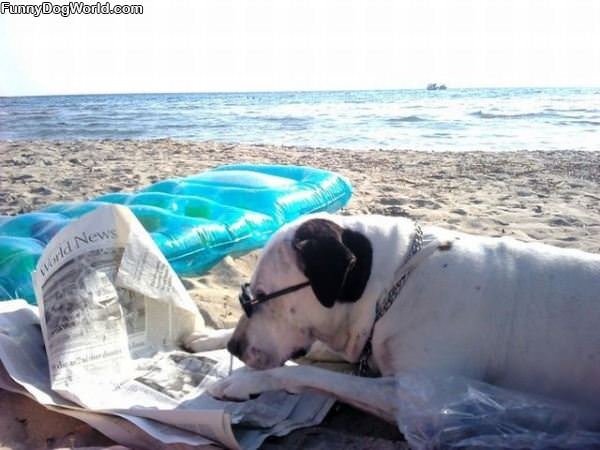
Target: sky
280, 45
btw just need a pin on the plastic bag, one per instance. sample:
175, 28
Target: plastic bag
456, 412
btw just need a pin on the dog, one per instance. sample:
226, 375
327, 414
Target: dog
519, 315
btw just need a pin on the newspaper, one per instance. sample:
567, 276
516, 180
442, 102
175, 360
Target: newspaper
104, 345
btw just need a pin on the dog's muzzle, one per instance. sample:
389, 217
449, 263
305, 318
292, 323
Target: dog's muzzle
250, 301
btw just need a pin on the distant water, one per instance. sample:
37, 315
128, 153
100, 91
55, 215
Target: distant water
456, 119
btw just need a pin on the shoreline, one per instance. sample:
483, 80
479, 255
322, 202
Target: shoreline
546, 196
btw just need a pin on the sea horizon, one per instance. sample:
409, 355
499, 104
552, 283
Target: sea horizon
293, 91
459, 119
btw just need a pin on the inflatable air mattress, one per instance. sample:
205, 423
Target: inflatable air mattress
195, 221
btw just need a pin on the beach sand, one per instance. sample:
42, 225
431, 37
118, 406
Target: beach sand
551, 197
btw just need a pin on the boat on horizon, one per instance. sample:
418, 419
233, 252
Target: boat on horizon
436, 87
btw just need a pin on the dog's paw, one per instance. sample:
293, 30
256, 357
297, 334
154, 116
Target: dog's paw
206, 340
243, 385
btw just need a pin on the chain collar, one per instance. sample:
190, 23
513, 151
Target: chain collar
382, 307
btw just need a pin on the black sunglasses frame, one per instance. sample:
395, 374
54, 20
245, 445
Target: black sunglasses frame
249, 301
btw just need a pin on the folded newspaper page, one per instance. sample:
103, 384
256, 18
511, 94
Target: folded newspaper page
104, 345
111, 306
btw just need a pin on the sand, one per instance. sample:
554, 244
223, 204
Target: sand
551, 197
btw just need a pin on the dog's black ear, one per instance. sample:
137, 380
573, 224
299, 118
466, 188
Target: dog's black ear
360, 273
326, 263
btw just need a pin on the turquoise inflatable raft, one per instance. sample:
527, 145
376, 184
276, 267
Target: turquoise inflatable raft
195, 221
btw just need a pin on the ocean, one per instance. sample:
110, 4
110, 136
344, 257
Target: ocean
454, 119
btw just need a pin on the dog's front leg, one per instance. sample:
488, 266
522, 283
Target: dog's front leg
207, 339
373, 395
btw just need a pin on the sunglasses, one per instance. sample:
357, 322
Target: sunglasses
249, 301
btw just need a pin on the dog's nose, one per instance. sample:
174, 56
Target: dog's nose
236, 347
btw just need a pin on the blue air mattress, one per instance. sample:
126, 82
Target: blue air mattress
195, 221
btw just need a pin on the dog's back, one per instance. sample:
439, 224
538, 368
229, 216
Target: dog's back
522, 315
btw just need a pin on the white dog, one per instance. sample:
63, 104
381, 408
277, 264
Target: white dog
519, 315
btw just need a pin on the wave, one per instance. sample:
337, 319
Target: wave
393, 120
294, 119
592, 123
487, 115
572, 110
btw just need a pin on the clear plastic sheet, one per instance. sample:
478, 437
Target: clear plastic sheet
436, 412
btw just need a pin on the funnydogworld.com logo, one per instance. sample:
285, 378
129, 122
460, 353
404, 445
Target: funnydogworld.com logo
67, 9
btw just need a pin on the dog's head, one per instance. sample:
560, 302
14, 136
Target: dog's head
335, 261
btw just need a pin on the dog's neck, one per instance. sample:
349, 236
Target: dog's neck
349, 325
